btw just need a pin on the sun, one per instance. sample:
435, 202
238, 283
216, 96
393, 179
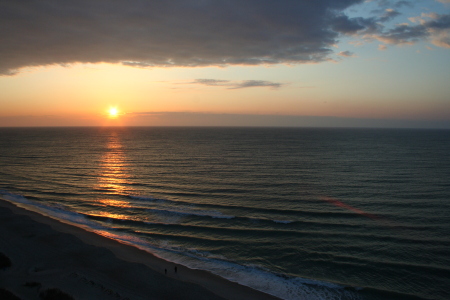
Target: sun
113, 112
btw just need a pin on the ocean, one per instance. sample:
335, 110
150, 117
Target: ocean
299, 213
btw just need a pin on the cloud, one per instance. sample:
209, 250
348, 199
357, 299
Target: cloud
403, 34
351, 26
212, 82
137, 64
437, 30
256, 83
191, 33
346, 54
399, 4
396, 4
170, 33
238, 84
388, 15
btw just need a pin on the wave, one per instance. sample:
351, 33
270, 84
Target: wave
253, 276
278, 216
226, 236
324, 219
243, 210
246, 209
56, 211
279, 285
188, 209
175, 214
283, 221
256, 277
191, 212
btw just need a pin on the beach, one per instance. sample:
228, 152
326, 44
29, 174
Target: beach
46, 253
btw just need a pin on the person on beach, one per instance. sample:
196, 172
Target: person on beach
165, 271
175, 269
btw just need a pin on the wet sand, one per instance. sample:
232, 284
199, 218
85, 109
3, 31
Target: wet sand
46, 253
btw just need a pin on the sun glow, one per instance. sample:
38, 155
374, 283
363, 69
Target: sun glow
113, 112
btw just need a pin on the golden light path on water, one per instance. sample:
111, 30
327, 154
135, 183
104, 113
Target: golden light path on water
113, 178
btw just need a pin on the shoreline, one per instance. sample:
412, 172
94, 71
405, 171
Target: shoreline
87, 265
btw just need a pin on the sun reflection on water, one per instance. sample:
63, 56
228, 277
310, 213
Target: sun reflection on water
115, 203
113, 216
113, 178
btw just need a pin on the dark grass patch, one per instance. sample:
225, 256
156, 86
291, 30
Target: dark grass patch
54, 294
7, 295
5, 262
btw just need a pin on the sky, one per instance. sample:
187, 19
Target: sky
321, 63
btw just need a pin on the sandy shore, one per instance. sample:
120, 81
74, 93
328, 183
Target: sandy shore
46, 253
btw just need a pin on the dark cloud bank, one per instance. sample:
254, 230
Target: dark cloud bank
167, 33
179, 32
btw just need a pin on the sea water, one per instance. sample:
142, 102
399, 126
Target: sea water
299, 213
